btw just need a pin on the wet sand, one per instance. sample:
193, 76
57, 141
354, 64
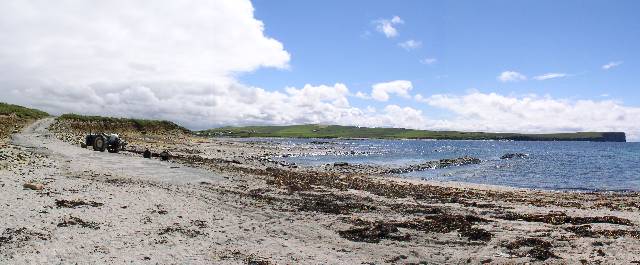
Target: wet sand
230, 201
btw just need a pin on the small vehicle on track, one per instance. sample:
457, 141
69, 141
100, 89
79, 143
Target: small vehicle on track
102, 141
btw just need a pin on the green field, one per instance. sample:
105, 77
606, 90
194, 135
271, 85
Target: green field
336, 131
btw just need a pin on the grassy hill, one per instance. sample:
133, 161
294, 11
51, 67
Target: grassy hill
14, 117
336, 131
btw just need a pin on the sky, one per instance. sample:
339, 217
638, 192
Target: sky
499, 66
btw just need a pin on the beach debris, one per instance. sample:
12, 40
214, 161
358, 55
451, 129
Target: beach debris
199, 223
514, 155
531, 247
72, 221
332, 203
176, 228
417, 209
33, 186
373, 233
255, 260
397, 258
445, 223
76, 203
587, 231
558, 218
476, 234
146, 153
19, 236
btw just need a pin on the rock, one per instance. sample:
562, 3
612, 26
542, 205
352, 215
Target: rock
340, 164
164, 156
514, 155
33, 186
146, 154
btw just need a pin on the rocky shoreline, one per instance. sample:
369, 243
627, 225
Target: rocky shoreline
199, 207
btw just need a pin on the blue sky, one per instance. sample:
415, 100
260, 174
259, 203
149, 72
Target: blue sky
499, 66
472, 41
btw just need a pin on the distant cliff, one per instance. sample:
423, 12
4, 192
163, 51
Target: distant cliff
336, 131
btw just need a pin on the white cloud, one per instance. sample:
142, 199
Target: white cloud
429, 61
611, 65
410, 44
381, 91
362, 95
493, 112
549, 76
162, 59
511, 76
386, 26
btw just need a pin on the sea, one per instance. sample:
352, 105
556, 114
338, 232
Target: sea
575, 166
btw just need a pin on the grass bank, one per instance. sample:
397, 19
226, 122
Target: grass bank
336, 131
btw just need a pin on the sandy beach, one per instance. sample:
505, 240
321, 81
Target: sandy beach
228, 201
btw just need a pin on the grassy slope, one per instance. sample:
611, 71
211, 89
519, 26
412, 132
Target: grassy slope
335, 131
110, 123
15, 117
21, 112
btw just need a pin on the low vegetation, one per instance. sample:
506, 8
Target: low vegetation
14, 117
336, 131
111, 123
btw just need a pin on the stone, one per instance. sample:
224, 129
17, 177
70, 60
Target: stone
33, 186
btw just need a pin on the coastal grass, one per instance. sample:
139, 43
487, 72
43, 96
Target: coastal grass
14, 117
337, 131
21, 112
108, 122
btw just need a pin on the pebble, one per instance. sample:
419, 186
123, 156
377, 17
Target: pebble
33, 186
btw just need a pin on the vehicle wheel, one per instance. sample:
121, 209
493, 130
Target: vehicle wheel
99, 144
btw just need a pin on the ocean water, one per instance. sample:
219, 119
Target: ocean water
580, 166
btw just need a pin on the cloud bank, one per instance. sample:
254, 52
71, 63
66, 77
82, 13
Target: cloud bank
495, 112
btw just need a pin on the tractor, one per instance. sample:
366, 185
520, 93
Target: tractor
102, 141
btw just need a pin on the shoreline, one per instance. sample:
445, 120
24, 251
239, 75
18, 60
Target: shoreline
221, 201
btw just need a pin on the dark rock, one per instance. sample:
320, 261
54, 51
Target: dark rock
340, 164
514, 155
164, 156
442, 163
